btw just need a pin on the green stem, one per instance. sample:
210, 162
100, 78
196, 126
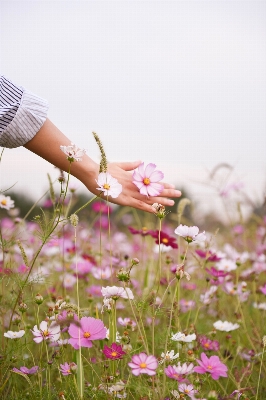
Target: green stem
260, 372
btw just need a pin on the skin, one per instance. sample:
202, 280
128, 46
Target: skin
46, 144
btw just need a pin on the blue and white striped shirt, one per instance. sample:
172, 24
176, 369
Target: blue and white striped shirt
22, 114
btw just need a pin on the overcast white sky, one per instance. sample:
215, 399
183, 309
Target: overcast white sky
178, 83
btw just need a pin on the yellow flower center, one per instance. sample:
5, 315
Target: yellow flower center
165, 240
207, 345
143, 365
209, 367
146, 181
86, 335
186, 391
68, 370
106, 186
45, 333
114, 354
144, 229
3, 202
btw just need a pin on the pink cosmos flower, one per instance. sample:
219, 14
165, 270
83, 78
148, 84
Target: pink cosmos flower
101, 273
147, 180
89, 329
143, 364
68, 369
186, 305
127, 322
188, 390
213, 365
179, 372
263, 289
209, 344
114, 352
27, 371
94, 290
52, 332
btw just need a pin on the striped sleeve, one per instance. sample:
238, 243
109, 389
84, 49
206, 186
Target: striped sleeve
22, 114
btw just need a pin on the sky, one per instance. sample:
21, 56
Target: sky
181, 84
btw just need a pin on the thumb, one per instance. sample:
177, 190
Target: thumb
129, 166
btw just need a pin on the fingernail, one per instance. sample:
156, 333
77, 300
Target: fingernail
172, 186
171, 202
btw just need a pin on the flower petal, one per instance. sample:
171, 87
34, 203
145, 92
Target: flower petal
149, 170
156, 176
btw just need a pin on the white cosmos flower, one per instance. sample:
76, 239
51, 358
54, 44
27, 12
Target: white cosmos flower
6, 202
225, 326
109, 185
117, 337
207, 297
168, 356
73, 152
226, 265
190, 233
45, 332
181, 337
116, 292
260, 306
14, 335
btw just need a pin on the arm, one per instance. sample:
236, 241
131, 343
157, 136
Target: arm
46, 143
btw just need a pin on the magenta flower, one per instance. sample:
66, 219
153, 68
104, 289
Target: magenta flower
164, 239
68, 369
89, 329
26, 371
114, 352
216, 273
213, 365
147, 180
263, 289
143, 232
209, 344
98, 206
179, 372
208, 255
143, 364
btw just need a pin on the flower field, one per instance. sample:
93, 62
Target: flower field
115, 303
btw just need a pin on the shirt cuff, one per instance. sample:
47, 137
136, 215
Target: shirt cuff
29, 119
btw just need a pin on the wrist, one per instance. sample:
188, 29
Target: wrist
86, 171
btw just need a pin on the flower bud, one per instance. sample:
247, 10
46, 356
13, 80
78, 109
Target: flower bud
73, 367
38, 299
135, 261
22, 307
123, 276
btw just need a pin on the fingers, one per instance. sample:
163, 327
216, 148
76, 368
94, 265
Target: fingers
171, 193
129, 166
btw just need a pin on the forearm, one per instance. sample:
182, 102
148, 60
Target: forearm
46, 144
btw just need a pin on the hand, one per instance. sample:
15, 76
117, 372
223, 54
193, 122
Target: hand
130, 195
